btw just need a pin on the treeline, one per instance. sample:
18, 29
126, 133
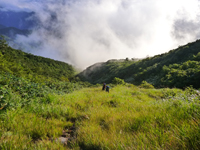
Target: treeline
177, 68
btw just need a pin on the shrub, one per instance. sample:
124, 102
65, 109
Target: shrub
118, 81
146, 85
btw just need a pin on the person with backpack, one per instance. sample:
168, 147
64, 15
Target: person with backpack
107, 88
104, 86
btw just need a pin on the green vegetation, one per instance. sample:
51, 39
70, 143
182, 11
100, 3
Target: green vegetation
28, 110
42, 102
146, 85
126, 118
35, 68
117, 81
25, 77
177, 68
181, 75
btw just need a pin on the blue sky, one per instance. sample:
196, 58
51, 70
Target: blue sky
83, 32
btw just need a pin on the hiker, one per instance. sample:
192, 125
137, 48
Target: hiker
104, 86
107, 88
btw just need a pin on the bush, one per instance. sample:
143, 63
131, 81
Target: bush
146, 85
118, 81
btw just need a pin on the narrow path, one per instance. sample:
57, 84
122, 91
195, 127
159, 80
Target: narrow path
68, 135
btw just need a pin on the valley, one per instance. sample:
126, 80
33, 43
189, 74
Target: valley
152, 104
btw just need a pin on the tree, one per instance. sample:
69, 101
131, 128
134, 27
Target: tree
3, 42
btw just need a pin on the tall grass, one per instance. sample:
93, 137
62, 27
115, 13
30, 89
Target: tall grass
128, 117
133, 118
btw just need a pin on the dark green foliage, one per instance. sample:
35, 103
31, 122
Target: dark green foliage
25, 78
177, 68
3, 42
146, 85
36, 68
118, 81
105, 72
182, 75
19, 92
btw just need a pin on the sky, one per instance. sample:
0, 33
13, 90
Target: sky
84, 32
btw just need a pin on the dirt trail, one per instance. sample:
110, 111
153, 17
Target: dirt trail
68, 135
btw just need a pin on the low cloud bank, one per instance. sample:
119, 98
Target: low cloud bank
83, 32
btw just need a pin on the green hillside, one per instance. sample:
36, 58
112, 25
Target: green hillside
177, 68
35, 68
44, 106
26, 77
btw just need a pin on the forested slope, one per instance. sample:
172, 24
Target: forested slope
177, 68
36, 68
27, 77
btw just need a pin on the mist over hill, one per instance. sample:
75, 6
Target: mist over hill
15, 23
154, 96
43, 105
89, 31
12, 32
177, 68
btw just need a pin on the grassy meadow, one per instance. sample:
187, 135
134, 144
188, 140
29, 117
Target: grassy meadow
129, 117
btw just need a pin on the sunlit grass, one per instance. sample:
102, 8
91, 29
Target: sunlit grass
133, 118
126, 118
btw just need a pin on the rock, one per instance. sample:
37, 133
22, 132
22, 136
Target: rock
63, 140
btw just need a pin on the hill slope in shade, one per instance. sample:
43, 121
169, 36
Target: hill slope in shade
177, 68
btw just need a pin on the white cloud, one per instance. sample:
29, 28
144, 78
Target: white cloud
84, 32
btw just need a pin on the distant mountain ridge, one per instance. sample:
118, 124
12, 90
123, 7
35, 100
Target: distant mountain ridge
12, 32
2, 26
13, 23
177, 68
21, 20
